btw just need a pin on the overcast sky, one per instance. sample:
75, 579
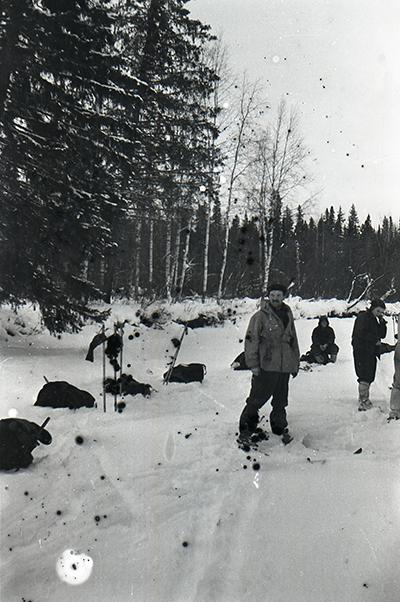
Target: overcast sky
338, 62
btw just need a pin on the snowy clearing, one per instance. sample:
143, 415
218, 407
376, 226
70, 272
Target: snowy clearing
163, 501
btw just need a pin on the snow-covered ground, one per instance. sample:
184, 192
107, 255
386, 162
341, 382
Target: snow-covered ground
163, 501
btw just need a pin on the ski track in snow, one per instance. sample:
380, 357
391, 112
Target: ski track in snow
182, 514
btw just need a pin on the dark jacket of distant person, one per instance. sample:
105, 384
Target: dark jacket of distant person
323, 335
367, 332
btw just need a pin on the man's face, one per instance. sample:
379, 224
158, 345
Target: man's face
378, 312
275, 298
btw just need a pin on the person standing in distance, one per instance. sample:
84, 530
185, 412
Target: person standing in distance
272, 354
394, 413
369, 328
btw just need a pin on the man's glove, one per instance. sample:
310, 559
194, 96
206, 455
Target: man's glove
256, 371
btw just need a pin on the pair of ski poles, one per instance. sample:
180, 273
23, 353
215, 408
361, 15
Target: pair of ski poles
117, 327
166, 377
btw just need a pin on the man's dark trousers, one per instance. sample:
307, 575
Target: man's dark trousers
365, 365
267, 384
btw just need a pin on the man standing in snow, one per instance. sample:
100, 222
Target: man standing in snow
369, 329
272, 354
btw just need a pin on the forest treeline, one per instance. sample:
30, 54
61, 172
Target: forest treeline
332, 256
134, 162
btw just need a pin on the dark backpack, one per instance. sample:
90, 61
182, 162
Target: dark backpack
187, 373
201, 321
60, 394
18, 437
127, 385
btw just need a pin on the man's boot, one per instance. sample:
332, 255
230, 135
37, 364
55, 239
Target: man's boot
248, 422
394, 413
363, 397
333, 358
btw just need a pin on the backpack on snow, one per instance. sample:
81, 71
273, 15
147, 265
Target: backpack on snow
187, 373
60, 394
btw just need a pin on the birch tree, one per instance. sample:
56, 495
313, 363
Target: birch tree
185, 262
237, 156
278, 170
216, 58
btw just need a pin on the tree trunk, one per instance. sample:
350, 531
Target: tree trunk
261, 259
263, 246
151, 253
102, 272
138, 244
206, 249
9, 53
108, 275
152, 36
85, 269
185, 258
224, 259
168, 259
247, 106
268, 255
298, 265
175, 267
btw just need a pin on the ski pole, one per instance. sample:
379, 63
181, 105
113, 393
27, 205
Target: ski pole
42, 426
104, 369
121, 328
115, 377
172, 364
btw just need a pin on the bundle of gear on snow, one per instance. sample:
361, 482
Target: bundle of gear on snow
97, 340
239, 363
201, 321
60, 394
112, 350
187, 373
18, 437
126, 385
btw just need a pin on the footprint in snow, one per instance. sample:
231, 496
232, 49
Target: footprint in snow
169, 448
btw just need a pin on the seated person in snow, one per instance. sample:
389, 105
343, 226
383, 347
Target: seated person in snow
323, 349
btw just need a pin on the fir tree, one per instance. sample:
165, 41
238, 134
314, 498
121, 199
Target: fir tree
58, 148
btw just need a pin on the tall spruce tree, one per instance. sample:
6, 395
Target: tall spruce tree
62, 153
103, 116
172, 117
